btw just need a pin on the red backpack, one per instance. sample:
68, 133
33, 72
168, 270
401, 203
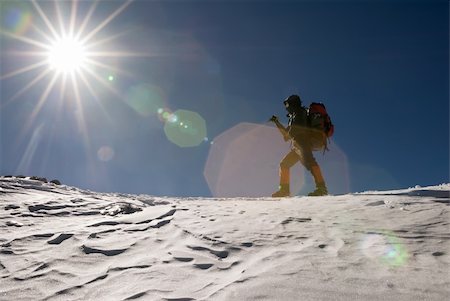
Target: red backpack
319, 119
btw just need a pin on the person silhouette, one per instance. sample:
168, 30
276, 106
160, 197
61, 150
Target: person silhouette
304, 140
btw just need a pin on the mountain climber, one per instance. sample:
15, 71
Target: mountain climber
304, 140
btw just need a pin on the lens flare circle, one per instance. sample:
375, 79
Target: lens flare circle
185, 128
243, 162
385, 248
67, 54
105, 153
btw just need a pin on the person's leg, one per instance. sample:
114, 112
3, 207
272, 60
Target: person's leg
285, 165
310, 163
321, 188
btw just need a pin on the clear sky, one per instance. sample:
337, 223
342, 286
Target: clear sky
115, 125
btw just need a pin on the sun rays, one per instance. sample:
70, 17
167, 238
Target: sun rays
65, 47
63, 51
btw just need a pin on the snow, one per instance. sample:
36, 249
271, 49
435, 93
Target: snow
62, 243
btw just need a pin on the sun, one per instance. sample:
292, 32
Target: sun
66, 49
67, 55
61, 49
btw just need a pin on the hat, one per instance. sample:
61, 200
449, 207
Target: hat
293, 101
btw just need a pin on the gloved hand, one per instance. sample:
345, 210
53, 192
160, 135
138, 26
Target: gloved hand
273, 118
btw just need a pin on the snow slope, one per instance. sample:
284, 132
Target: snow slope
63, 243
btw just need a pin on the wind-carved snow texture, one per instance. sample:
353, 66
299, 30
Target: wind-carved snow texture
63, 243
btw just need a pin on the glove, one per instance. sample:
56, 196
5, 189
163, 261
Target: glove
273, 118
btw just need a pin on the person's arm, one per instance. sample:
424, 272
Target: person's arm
283, 130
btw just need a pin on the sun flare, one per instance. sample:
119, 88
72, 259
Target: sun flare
67, 54
63, 46
64, 53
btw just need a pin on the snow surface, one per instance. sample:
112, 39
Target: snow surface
63, 243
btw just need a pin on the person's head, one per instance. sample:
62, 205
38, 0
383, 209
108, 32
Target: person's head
292, 103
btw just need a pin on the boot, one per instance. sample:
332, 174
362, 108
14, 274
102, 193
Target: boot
320, 190
282, 192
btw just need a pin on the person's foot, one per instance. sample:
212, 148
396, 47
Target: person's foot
320, 191
282, 192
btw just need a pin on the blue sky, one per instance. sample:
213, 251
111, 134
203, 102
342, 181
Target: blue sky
381, 68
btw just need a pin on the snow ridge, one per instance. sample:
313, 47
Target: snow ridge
62, 243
